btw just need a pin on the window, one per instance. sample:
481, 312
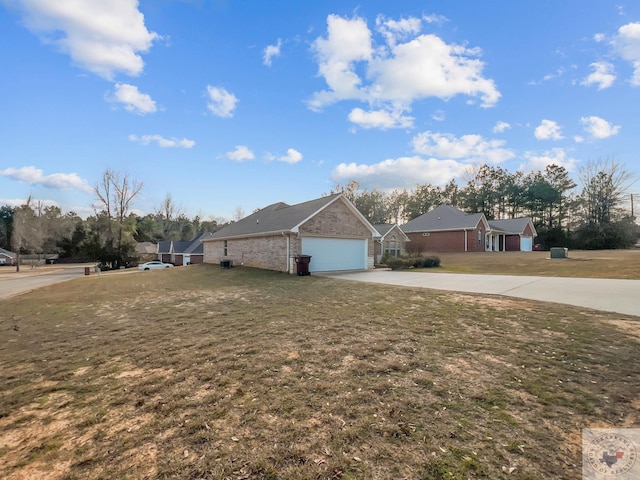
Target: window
225, 248
392, 249
479, 237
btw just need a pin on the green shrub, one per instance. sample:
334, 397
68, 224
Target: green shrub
431, 262
395, 263
412, 261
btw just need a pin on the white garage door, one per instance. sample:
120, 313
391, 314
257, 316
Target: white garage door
526, 244
329, 254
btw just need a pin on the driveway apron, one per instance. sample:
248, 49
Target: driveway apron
609, 295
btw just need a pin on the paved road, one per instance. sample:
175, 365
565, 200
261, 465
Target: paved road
620, 296
15, 283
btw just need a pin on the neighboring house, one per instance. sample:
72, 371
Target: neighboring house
511, 235
182, 252
329, 229
391, 242
7, 257
146, 251
447, 229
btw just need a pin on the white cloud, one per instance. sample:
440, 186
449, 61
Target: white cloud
599, 37
381, 119
270, 52
292, 156
434, 18
406, 68
347, 42
240, 154
468, 148
102, 37
439, 116
404, 172
163, 142
18, 202
548, 130
396, 30
550, 76
598, 127
627, 44
603, 75
221, 102
556, 156
132, 99
500, 127
34, 176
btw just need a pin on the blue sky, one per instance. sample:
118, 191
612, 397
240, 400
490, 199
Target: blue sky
230, 106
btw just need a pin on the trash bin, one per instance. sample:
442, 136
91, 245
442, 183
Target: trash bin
86, 271
302, 263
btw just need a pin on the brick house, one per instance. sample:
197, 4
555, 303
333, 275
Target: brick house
182, 252
391, 242
329, 229
7, 257
447, 229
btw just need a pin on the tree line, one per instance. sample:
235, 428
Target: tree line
590, 216
110, 236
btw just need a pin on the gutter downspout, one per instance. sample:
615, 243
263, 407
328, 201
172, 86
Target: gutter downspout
466, 235
288, 260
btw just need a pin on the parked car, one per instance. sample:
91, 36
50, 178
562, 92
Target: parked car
154, 265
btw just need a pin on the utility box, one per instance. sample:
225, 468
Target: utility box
559, 252
226, 263
302, 263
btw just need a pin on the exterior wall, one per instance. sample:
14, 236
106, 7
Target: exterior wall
196, 259
6, 260
269, 252
512, 243
336, 221
449, 241
393, 239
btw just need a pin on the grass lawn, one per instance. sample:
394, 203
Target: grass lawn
206, 373
580, 263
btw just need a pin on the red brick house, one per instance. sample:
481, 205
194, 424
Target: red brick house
447, 229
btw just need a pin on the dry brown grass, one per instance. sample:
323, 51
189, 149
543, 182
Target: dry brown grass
580, 263
205, 373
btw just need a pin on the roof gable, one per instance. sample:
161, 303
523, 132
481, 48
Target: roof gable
444, 217
281, 217
515, 226
7, 253
385, 229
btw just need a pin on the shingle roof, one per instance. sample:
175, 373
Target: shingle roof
443, 217
511, 225
274, 218
7, 253
383, 228
146, 247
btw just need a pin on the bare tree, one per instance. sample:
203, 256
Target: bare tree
168, 212
605, 185
116, 192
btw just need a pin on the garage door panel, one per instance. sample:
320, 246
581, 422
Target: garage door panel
329, 254
526, 244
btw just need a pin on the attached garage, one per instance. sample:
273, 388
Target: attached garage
526, 244
329, 254
329, 229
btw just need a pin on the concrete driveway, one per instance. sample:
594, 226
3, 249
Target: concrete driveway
28, 279
619, 296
